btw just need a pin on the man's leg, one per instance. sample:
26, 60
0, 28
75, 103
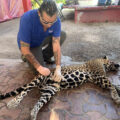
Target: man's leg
47, 46
44, 52
37, 52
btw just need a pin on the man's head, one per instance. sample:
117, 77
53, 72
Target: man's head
48, 12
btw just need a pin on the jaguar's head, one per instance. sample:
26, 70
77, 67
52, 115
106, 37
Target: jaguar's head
110, 65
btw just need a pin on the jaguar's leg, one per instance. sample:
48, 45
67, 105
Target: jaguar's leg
16, 101
117, 88
105, 83
23, 91
46, 93
115, 95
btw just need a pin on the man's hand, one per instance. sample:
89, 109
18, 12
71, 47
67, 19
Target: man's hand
57, 74
43, 70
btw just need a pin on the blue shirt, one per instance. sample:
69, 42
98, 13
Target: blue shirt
31, 30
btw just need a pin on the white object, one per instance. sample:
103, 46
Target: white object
87, 3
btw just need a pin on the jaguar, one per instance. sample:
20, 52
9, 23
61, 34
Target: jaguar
93, 71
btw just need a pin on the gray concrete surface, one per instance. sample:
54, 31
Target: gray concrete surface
88, 102
84, 41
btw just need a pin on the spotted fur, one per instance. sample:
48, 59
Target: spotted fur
93, 71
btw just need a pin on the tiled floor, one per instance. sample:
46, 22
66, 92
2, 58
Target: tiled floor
87, 102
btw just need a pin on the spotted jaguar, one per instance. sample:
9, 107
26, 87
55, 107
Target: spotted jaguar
93, 71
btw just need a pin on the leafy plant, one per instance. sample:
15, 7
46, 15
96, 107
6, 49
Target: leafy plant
61, 1
35, 4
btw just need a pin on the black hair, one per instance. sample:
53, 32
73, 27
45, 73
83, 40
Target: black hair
48, 6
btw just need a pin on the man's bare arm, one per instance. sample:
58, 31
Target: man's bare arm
25, 49
57, 55
57, 50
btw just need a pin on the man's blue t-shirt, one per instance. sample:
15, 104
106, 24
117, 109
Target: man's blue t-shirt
31, 30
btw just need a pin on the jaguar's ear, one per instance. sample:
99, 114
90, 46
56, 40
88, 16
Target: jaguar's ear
105, 57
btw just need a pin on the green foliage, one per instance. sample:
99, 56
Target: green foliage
35, 4
61, 1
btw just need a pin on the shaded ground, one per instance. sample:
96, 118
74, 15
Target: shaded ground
87, 102
84, 41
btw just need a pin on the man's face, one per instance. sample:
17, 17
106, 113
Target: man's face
46, 20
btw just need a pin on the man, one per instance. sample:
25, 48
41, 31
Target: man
40, 36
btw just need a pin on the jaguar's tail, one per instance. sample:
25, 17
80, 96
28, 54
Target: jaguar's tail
25, 87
